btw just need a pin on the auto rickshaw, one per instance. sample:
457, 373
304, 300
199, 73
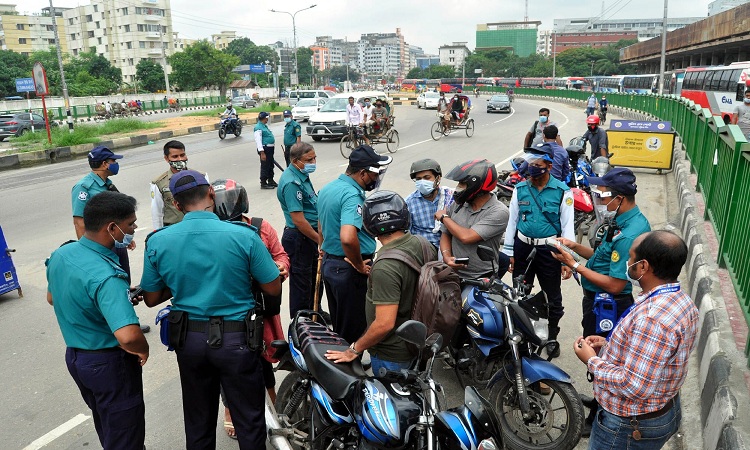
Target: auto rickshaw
9, 280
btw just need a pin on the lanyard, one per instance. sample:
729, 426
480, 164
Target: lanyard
663, 290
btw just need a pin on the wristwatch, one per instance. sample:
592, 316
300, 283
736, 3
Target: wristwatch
576, 266
354, 350
443, 217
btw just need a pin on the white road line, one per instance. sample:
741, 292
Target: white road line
142, 228
416, 143
57, 432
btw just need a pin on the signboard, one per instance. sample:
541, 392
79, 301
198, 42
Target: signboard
649, 150
477, 70
293, 79
40, 79
640, 125
257, 68
25, 85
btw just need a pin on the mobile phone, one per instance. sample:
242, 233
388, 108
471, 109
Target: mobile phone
137, 291
464, 261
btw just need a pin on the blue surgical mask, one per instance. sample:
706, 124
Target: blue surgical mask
309, 168
535, 171
287, 119
114, 168
746, 100
367, 103
126, 239
425, 187
543, 119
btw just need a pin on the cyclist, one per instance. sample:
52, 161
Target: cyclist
355, 117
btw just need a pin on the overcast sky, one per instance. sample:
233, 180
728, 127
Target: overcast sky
425, 23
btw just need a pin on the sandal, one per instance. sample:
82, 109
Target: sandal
229, 429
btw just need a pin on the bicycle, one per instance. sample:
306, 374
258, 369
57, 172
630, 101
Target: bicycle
354, 137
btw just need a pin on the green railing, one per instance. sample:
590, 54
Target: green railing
718, 154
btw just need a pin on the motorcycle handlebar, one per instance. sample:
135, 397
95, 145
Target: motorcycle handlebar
404, 375
482, 283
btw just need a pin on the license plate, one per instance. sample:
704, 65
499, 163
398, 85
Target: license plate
321, 132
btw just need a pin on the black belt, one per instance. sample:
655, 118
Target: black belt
230, 326
654, 414
364, 257
100, 350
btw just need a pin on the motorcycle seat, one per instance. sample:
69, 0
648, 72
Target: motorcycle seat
315, 340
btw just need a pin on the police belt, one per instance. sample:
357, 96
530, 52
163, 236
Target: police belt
230, 326
533, 241
364, 257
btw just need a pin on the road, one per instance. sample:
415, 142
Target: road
38, 396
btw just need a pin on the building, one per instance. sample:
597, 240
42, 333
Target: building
426, 61
26, 34
383, 54
566, 41
520, 37
122, 32
646, 28
222, 40
286, 59
719, 6
179, 43
544, 42
321, 57
454, 54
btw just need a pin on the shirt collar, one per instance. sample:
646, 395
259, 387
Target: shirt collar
99, 248
347, 179
623, 218
645, 295
298, 173
198, 215
98, 180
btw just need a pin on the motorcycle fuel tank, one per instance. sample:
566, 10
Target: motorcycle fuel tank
582, 200
484, 319
382, 415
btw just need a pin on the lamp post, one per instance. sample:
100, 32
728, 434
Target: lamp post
592, 68
663, 61
294, 30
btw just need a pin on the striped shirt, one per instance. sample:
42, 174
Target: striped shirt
645, 362
423, 213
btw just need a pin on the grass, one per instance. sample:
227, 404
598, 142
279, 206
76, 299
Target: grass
268, 107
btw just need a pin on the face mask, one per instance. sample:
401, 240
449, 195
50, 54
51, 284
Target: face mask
634, 282
126, 239
114, 168
606, 214
535, 171
287, 119
308, 168
746, 100
543, 119
425, 187
178, 165
592, 129
367, 103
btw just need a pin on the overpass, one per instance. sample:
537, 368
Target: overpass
717, 40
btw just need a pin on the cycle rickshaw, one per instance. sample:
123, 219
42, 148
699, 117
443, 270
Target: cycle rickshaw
446, 123
356, 136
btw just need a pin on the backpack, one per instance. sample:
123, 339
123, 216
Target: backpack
437, 297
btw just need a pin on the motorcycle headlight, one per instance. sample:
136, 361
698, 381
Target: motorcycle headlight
541, 328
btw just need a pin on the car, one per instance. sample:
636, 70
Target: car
244, 101
428, 100
16, 124
306, 107
295, 96
330, 121
498, 103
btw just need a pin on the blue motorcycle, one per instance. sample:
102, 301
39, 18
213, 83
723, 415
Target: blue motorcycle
498, 349
230, 124
325, 405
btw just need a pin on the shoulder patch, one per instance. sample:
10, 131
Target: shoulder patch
569, 201
299, 195
83, 196
359, 210
615, 256
152, 194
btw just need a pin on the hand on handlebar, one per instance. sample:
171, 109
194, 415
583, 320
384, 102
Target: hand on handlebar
451, 261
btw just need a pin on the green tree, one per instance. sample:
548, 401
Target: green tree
440, 72
12, 65
304, 62
201, 66
97, 66
150, 75
579, 61
249, 53
416, 72
337, 74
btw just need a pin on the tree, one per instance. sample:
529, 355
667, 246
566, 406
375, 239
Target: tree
12, 65
416, 72
150, 75
201, 66
304, 64
440, 72
337, 74
249, 53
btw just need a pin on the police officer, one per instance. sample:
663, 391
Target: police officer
213, 311
299, 203
347, 247
541, 207
265, 143
89, 292
292, 134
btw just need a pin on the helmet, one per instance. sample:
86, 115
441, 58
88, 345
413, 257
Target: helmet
229, 106
385, 212
231, 199
592, 120
425, 164
479, 175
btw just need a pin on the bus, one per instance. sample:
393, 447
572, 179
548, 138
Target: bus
508, 82
533, 82
640, 84
717, 88
610, 84
673, 81
568, 83
485, 81
410, 84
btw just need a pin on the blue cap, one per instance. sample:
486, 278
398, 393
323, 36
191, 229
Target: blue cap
619, 179
102, 154
543, 151
263, 115
187, 180
287, 113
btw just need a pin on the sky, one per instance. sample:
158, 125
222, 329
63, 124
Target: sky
424, 23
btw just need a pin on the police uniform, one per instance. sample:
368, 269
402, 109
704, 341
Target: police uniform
90, 298
296, 194
340, 203
292, 130
267, 145
534, 216
227, 256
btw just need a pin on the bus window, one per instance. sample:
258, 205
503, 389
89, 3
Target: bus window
699, 80
740, 92
716, 80
725, 83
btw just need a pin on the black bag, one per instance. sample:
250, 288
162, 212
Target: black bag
178, 327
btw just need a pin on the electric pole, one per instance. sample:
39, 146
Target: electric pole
69, 117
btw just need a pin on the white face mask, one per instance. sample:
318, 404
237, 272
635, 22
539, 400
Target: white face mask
635, 282
425, 187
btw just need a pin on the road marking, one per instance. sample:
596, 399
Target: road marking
508, 159
57, 432
142, 228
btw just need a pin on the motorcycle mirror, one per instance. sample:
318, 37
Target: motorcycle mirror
413, 332
435, 342
485, 253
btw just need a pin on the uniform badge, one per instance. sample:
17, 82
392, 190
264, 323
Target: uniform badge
83, 195
569, 201
152, 194
615, 256
299, 195
359, 210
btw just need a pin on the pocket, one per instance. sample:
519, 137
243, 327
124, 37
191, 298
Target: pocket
660, 428
607, 423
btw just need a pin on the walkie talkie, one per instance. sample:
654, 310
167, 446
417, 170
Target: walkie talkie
556, 246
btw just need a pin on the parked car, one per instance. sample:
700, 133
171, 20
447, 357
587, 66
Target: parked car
307, 107
428, 100
330, 121
498, 103
16, 124
244, 101
297, 95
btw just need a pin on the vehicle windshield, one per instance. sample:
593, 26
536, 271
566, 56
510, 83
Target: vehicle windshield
499, 98
307, 102
335, 105
307, 95
431, 95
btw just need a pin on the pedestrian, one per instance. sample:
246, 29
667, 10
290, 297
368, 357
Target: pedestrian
108, 107
560, 160
427, 199
265, 142
741, 116
475, 218
163, 211
638, 373
596, 136
105, 347
292, 134
535, 135
390, 287
348, 249
355, 116
541, 207
207, 266
591, 104
299, 203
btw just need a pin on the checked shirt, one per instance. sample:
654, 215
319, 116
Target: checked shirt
423, 213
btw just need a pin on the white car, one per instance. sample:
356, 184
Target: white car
307, 107
428, 100
330, 121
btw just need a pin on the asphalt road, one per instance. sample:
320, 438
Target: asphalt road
38, 396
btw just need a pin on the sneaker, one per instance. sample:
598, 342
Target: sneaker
267, 186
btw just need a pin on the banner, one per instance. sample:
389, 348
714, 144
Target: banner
649, 150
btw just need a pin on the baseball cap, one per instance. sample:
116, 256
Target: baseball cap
619, 179
364, 157
542, 151
102, 154
263, 115
287, 113
185, 180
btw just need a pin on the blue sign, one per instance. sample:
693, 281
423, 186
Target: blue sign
257, 68
640, 125
25, 85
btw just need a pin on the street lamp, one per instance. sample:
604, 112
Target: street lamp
294, 30
663, 60
592, 68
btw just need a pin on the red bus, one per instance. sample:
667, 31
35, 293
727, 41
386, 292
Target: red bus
532, 82
717, 88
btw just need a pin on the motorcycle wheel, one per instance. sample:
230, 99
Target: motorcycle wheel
558, 416
238, 130
222, 133
300, 418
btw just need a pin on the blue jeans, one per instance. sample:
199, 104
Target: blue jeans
377, 363
611, 432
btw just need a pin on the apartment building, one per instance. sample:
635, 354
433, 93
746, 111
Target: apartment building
26, 34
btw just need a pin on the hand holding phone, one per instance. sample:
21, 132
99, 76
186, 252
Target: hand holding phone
464, 261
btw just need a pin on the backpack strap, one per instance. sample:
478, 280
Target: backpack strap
395, 253
256, 222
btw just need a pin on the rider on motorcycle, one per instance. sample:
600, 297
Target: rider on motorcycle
231, 114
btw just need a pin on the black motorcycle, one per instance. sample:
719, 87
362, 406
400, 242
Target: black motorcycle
230, 124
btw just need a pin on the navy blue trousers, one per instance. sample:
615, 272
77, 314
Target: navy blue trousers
111, 384
266, 167
345, 290
546, 269
303, 255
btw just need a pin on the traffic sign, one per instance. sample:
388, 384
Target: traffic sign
40, 79
25, 85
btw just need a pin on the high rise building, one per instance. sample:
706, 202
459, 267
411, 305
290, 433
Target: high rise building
519, 37
719, 6
222, 40
30, 33
544, 42
453, 54
286, 58
646, 28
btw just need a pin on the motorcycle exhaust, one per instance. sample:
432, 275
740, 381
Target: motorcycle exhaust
274, 427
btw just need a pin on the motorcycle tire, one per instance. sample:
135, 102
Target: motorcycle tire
237, 130
545, 431
301, 417
222, 133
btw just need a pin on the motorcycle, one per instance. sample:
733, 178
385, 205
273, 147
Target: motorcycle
327, 405
498, 349
229, 125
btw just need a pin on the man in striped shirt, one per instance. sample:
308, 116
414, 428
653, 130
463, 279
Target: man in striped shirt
639, 372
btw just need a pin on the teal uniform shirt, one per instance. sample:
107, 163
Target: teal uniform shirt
611, 258
341, 203
531, 221
89, 186
208, 265
89, 294
295, 194
267, 136
292, 131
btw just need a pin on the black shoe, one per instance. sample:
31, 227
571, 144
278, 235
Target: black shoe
589, 402
272, 183
267, 186
145, 328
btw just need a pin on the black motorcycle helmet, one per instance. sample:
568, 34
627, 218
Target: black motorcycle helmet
479, 175
384, 213
231, 199
425, 164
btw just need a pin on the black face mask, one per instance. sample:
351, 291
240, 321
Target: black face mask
593, 128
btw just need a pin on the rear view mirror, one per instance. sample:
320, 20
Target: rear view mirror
485, 253
435, 342
413, 332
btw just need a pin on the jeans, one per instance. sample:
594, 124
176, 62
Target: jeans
589, 111
395, 366
611, 432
